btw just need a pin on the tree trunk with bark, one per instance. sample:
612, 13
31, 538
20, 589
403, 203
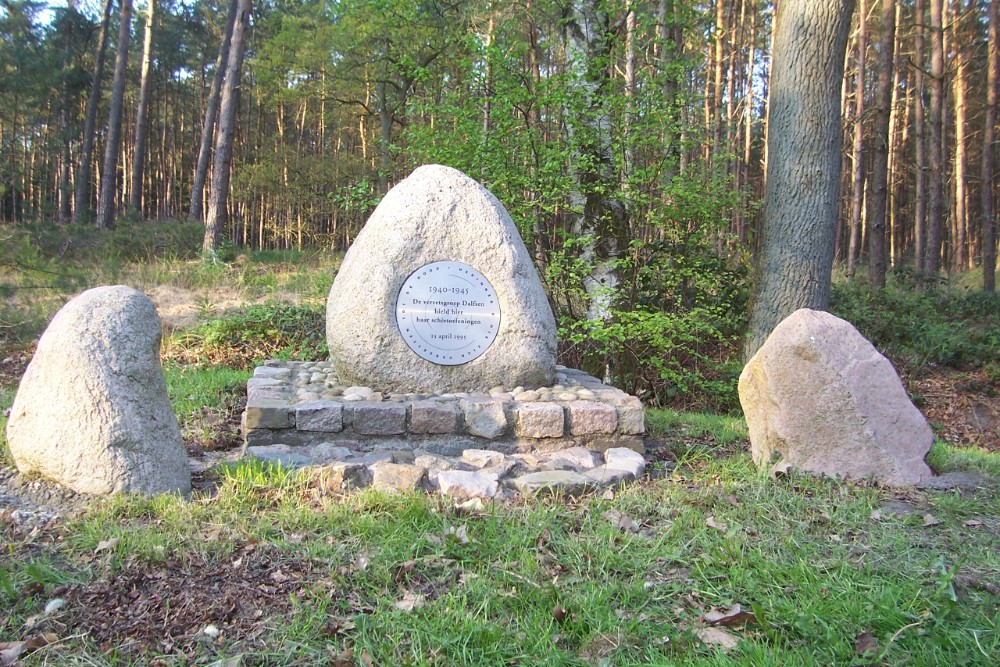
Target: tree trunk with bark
880, 152
222, 166
195, 209
112, 147
795, 259
81, 194
987, 213
141, 113
936, 210
858, 150
600, 215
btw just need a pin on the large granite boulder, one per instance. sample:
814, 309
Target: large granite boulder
819, 397
438, 214
92, 411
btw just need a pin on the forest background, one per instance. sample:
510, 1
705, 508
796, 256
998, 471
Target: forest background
627, 140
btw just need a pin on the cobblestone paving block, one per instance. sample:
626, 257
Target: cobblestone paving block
267, 413
325, 416
433, 417
590, 418
283, 374
538, 420
484, 417
378, 418
631, 417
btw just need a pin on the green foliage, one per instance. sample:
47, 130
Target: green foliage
252, 334
678, 303
923, 327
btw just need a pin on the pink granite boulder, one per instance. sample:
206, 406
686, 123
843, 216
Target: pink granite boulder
819, 397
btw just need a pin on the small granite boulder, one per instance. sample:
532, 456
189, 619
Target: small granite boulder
92, 411
438, 214
819, 397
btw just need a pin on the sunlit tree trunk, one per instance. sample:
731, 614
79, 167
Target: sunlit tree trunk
81, 194
112, 147
208, 123
65, 194
222, 166
141, 113
936, 210
987, 212
920, 141
795, 259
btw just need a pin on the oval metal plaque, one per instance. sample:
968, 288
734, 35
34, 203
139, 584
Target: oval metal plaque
448, 313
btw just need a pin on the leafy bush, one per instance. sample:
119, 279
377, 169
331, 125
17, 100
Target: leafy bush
252, 334
933, 326
674, 327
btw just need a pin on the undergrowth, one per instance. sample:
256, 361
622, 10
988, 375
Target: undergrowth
955, 328
252, 334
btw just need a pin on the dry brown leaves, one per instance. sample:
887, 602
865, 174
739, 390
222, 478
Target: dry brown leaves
961, 405
168, 605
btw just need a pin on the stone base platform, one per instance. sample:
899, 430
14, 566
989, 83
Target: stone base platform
299, 414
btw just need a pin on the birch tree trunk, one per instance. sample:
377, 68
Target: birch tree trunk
600, 215
222, 165
112, 147
795, 259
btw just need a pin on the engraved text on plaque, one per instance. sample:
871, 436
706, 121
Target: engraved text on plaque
448, 313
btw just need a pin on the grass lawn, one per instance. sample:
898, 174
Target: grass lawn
267, 570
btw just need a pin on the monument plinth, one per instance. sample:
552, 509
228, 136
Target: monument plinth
442, 372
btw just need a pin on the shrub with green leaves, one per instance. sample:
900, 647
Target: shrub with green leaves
922, 327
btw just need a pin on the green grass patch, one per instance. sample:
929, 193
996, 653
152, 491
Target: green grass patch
207, 401
252, 334
406, 579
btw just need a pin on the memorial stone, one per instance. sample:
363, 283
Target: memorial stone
438, 292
